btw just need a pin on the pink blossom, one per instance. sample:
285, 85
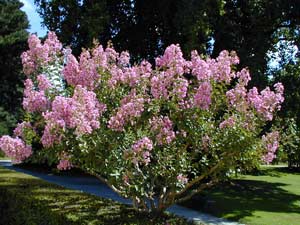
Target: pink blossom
21, 127
182, 179
236, 98
88, 111
124, 59
199, 67
43, 82
244, 77
131, 107
271, 143
40, 54
229, 122
180, 88
34, 101
111, 55
64, 162
129, 75
53, 43
221, 66
202, 98
83, 73
81, 112
163, 127
172, 60
141, 151
159, 85
15, 148
100, 57
267, 102
279, 88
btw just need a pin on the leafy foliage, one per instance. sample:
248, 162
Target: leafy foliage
13, 37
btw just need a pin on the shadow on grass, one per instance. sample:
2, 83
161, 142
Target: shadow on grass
275, 171
74, 206
241, 198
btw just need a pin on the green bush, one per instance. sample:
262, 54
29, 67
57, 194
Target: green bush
28, 200
291, 144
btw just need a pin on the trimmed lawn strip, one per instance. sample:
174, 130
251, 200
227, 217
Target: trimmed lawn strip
25, 199
270, 198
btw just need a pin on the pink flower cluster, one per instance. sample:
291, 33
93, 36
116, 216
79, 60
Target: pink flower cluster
81, 112
21, 127
64, 162
43, 82
164, 85
141, 151
131, 107
86, 71
15, 148
170, 81
267, 102
182, 179
173, 60
82, 73
38, 53
237, 98
34, 101
130, 75
202, 98
163, 126
229, 122
271, 143
218, 69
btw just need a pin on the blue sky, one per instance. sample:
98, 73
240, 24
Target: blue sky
34, 19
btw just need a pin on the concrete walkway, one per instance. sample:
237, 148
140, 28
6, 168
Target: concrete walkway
94, 186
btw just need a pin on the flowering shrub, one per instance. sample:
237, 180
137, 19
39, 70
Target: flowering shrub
156, 134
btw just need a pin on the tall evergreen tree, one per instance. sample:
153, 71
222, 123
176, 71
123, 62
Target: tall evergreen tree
13, 41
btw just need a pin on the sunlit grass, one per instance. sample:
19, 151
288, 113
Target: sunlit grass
270, 198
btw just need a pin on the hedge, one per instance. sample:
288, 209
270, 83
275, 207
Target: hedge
27, 200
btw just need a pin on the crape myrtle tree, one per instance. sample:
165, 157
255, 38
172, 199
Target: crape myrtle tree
157, 134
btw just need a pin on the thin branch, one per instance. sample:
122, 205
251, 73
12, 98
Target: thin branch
102, 179
198, 190
197, 179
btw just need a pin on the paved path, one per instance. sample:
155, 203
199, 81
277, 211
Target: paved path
94, 186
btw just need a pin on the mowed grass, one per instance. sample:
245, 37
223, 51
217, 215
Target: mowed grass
23, 196
270, 198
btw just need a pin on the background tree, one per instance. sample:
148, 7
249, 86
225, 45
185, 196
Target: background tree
144, 28
13, 41
252, 28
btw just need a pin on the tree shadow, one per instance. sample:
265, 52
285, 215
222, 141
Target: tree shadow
74, 206
240, 198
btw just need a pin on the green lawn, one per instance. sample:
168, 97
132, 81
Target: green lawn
4, 157
25, 199
270, 198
